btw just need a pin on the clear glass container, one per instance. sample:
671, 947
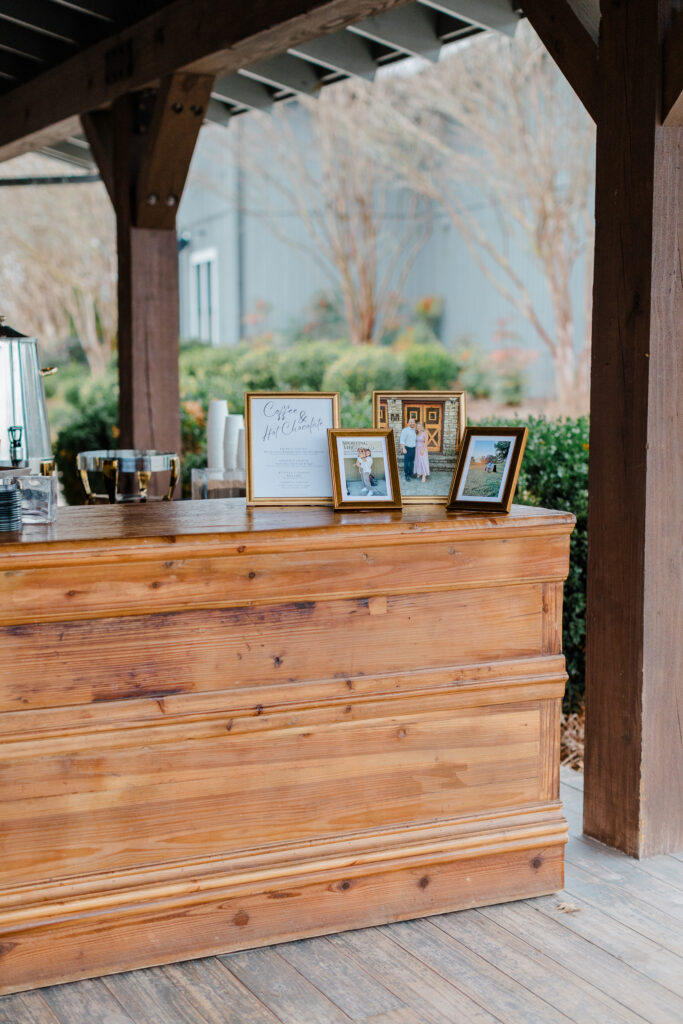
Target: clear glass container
218, 483
38, 498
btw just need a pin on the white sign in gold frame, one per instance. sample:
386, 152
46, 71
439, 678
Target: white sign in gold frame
286, 446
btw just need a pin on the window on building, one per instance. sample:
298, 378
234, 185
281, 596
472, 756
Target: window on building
204, 296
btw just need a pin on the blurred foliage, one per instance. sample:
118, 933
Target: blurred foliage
554, 475
362, 370
429, 368
303, 366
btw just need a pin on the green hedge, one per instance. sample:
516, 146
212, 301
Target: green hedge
362, 370
554, 474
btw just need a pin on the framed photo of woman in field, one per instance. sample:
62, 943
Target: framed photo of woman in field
486, 474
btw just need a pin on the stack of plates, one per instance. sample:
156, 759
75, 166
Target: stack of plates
10, 507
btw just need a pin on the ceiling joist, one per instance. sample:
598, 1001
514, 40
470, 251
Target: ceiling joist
496, 15
286, 72
242, 92
408, 29
341, 51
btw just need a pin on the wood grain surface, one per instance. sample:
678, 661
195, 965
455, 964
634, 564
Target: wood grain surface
364, 730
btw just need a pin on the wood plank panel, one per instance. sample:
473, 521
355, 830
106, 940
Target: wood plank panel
505, 682
145, 934
203, 779
109, 659
153, 802
172, 583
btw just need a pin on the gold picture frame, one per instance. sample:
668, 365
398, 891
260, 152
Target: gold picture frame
287, 400
345, 477
485, 477
447, 411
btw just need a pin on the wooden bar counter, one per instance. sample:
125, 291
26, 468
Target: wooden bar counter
222, 728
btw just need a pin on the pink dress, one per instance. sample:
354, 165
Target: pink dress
421, 461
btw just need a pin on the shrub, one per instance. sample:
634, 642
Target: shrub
361, 370
429, 367
303, 366
473, 374
554, 474
258, 369
93, 425
355, 412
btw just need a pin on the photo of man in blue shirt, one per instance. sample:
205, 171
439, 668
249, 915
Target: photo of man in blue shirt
408, 440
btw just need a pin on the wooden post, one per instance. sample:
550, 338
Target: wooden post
634, 695
143, 147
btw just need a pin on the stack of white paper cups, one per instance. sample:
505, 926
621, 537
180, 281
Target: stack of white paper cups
233, 424
215, 433
241, 450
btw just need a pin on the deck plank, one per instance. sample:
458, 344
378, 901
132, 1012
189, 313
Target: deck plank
282, 988
83, 1002
607, 973
555, 983
640, 953
26, 1008
423, 989
217, 993
510, 1000
342, 979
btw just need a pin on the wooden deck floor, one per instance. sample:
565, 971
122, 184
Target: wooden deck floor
608, 949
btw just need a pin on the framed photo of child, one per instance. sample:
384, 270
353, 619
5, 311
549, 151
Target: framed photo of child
428, 427
364, 469
485, 477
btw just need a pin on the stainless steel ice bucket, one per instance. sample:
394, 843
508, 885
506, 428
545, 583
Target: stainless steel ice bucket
24, 432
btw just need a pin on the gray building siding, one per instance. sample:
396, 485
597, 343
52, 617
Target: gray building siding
253, 263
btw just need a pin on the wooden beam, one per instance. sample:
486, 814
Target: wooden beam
143, 148
672, 112
97, 129
179, 108
634, 680
195, 35
569, 44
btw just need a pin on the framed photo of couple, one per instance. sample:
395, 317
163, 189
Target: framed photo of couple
428, 428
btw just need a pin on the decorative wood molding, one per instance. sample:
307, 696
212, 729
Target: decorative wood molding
672, 105
570, 45
192, 35
65, 939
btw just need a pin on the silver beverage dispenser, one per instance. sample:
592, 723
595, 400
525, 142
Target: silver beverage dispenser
24, 431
